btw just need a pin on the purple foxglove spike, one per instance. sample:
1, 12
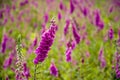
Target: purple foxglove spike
71, 44
68, 54
119, 33
102, 59
61, 6
53, 70
66, 27
85, 11
46, 17
110, 33
24, 2
59, 16
75, 33
4, 43
8, 61
111, 9
45, 44
26, 72
71, 7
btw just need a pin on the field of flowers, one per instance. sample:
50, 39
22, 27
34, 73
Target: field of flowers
59, 39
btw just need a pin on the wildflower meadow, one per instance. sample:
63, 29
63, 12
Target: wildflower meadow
59, 39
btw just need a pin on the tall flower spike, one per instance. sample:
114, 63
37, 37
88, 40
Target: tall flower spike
53, 70
110, 33
19, 63
68, 54
75, 33
66, 26
71, 7
45, 43
4, 41
102, 59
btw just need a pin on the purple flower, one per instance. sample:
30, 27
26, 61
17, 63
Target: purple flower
32, 46
45, 44
102, 59
98, 22
71, 7
71, 44
8, 61
61, 6
66, 26
75, 33
4, 41
24, 3
59, 16
46, 17
119, 33
68, 54
85, 11
117, 65
110, 33
53, 70
26, 72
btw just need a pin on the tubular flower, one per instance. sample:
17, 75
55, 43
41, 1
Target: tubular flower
53, 70
5, 38
102, 59
75, 33
26, 71
71, 7
45, 44
66, 26
68, 54
98, 22
110, 33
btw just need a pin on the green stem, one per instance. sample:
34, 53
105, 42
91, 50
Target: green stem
35, 72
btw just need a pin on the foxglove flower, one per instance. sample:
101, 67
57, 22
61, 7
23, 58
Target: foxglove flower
119, 34
53, 70
24, 3
8, 61
71, 7
45, 44
75, 33
98, 22
68, 54
32, 46
59, 16
46, 17
61, 6
117, 65
71, 44
26, 72
110, 34
102, 59
66, 27
4, 41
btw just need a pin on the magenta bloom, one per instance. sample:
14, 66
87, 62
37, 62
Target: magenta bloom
45, 44
98, 22
71, 7
119, 34
117, 65
102, 59
53, 70
4, 41
24, 3
110, 33
46, 17
75, 33
59, 16
66, 26
8, 61
26, 72
68, 54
